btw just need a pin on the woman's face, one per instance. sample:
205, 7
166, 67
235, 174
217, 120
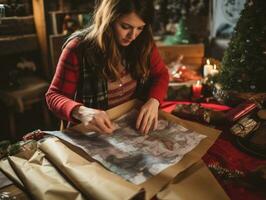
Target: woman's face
127, 28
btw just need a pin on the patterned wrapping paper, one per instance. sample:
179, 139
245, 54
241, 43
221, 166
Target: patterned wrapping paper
133, 156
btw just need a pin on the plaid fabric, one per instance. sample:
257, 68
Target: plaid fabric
75, 81
63, 87
93, 89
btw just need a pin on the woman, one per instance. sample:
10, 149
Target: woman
109, 63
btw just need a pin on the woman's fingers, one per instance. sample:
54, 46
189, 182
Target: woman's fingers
155, 123
139, 119
148, 116
147, 121
148, 125
93, 127
103, 123
93, 119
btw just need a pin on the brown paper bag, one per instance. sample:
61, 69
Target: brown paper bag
90, 177
41, 179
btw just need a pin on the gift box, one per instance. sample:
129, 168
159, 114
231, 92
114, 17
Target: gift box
241, 111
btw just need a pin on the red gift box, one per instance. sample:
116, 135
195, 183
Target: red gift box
241, 110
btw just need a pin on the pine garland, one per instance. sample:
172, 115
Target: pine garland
225, 173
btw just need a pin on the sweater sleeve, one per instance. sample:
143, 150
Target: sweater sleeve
60, 95
159, 75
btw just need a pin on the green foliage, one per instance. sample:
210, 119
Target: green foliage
181, 36
244, 62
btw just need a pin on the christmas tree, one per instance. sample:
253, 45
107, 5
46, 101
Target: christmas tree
181, 36
244, 62
174, 18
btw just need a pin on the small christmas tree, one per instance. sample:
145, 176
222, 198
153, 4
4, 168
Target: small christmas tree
181, 35
244, 62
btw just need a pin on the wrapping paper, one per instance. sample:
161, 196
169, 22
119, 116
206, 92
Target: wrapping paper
24, 150
4, 181
44, 182
134, 156
198, 179
41, 179
153, 185
90, 177
10, 173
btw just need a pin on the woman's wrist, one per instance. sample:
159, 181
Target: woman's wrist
76, 114
155, 101
84, 114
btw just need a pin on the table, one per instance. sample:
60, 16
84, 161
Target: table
224, 155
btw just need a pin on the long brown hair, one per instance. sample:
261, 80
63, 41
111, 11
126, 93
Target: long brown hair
137, 54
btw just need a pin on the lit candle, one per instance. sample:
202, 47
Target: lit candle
196, 89
214, 71
207, 68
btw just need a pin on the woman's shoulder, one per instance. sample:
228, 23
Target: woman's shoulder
72, 44
77, 40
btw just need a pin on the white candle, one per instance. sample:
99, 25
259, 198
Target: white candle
207, 68
214, 71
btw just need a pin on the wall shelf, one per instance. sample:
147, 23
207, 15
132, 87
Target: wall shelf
18, 44
17, 25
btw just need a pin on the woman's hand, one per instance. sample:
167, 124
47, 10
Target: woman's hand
148, 116
93, 119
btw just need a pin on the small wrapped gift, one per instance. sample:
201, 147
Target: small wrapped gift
253, 140
241, 111
244, 127
195, 111
192, 111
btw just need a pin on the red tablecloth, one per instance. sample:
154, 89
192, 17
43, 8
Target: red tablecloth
225, 154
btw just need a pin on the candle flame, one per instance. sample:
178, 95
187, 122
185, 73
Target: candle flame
183, 67
198, 82
208, 62
214, 67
